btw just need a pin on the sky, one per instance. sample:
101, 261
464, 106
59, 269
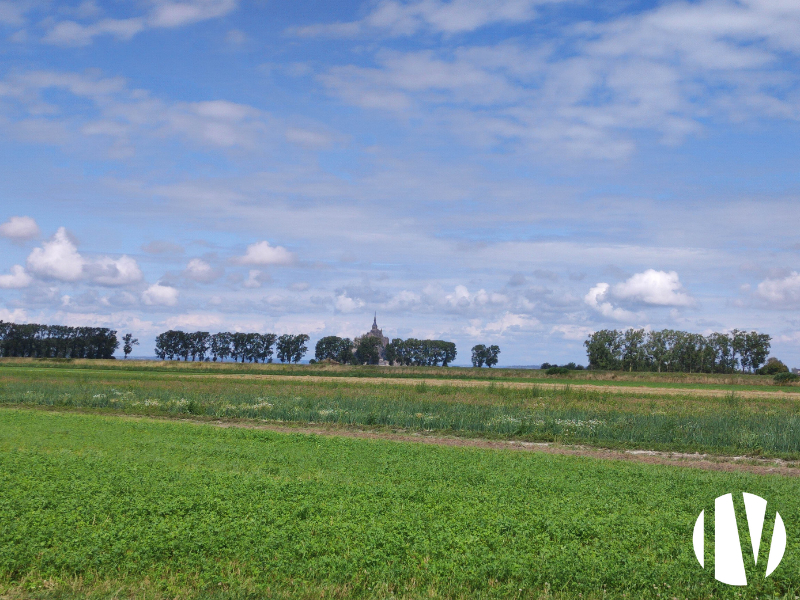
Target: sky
510, 172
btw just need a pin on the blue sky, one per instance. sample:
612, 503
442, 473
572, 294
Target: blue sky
518, 172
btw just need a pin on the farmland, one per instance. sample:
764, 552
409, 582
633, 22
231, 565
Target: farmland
715, 421
160, 482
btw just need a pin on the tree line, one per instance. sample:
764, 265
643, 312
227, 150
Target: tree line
240, 347
56, 341
367, 351
677, 351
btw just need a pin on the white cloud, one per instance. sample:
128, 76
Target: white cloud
262, 253
13, 316
654, 287
346, 304
122, 271
511, 322
596, 298
177, 14
118, 117
17, 279
462, 298
253, 279
199, 270
20, 228
572, 332
162, 295
163, 15
70, 33
57, 259
407, 18
783, 291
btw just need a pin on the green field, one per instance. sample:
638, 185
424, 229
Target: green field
114, 507
731, 382
99, 499
726, 424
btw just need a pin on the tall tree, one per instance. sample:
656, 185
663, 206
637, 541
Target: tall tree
128, 342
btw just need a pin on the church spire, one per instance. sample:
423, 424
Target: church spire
375, 321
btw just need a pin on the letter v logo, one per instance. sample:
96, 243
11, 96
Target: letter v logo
728, 559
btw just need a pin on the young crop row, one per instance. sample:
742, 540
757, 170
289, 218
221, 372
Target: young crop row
568, 415
181, 510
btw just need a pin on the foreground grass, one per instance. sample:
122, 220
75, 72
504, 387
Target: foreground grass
570, 414
94, 506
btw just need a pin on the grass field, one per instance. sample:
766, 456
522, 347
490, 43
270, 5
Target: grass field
99, 500
688, 421
730, 382
114, 507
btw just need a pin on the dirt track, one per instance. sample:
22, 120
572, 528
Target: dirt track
707, 462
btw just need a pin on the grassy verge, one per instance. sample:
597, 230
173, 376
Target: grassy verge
93, 506
570, 414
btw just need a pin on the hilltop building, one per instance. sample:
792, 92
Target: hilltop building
376, 332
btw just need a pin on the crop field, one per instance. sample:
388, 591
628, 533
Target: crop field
728, 423
130, 482
99, 506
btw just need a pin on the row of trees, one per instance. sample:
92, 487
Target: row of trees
240, 347
420, 353
367, 351
677, 351
56, 341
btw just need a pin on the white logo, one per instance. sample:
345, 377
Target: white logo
728, 560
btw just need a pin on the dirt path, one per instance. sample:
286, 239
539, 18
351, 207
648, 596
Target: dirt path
615, 389
760, 466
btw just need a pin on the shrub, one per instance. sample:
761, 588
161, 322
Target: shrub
773, 367
557, 371
785, 378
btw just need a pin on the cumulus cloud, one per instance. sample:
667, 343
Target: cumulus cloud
57, 259
20, 229
597, 299
262, 253
120, 271
18, 278
200, 271
654, 287
346, 304
160, 295
651, 287
462, 298
781, 291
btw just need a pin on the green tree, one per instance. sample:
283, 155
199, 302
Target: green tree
334, 348
128, 342
368, 350
478, 355
492, 353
